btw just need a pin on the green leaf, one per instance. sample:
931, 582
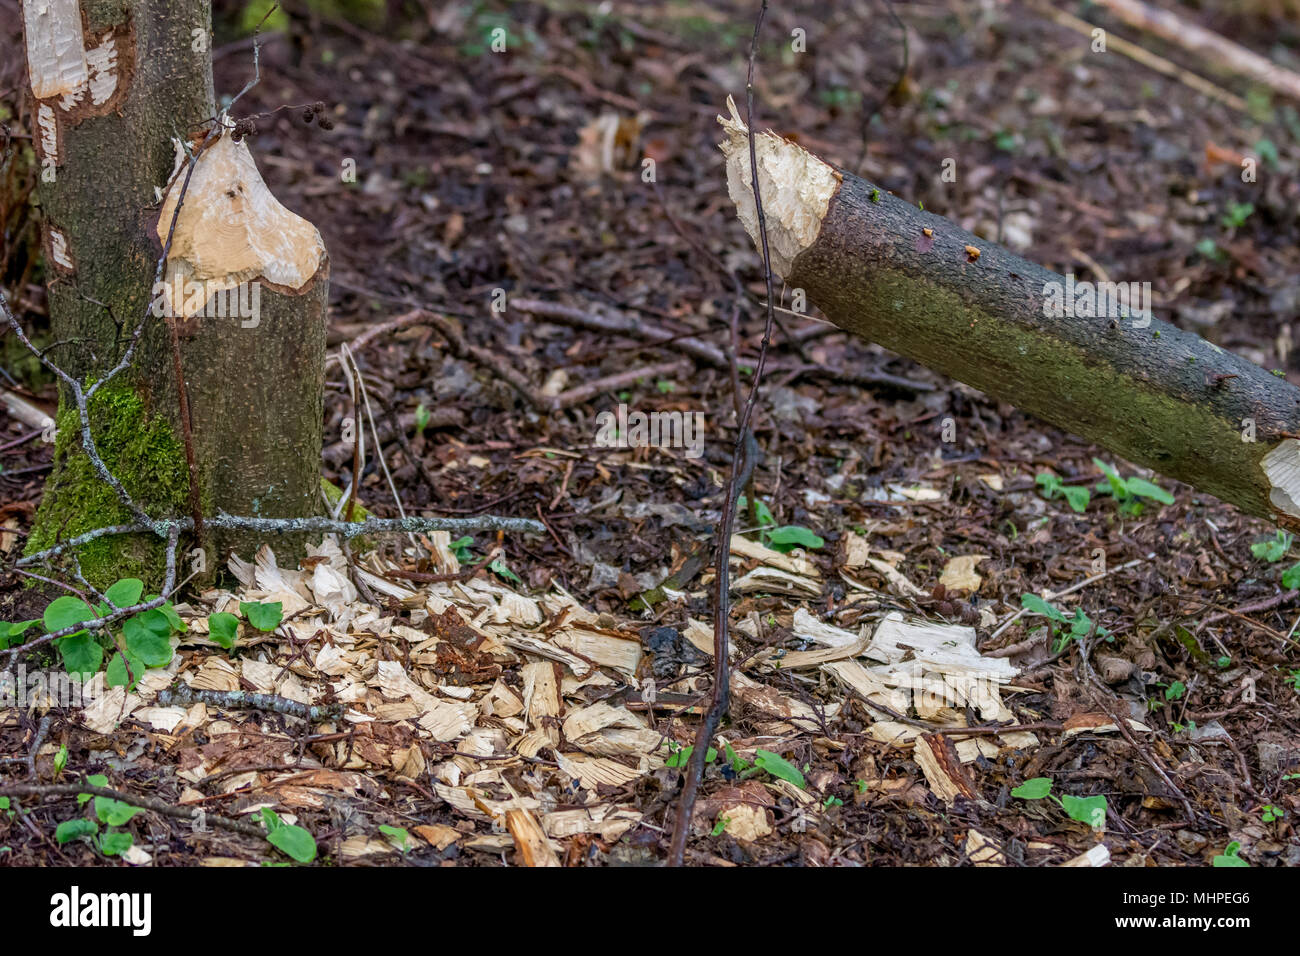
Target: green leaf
1077, 497
778, 766
125, 593
499, 567
70, 830
1036, 605
1033, 789
264, 617
1272, 549
9, 633
271, 820
168, 611
793, 536
65, 611
398, 836
114, 813
421, 419
115, 844
223, 628
1050, 484
1145, 489
1117, 485
117, 675
1291, 577
1175, 690
95, 780
294, 842
737, 765
1229, 856
148, 638
1089, 810
81, 653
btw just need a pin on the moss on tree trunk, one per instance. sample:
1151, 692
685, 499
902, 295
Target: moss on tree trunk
255, 393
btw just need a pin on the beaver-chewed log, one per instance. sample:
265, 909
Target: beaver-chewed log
1086, 357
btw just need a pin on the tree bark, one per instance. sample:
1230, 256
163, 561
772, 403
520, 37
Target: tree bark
117, 86
916, 283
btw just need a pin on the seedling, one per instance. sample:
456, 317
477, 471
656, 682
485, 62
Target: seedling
1063, 628
1269, 813
397, 836
1089, 810
1076, 496
1274, 549
1127, 492
293, 841
144, 640
1229, 856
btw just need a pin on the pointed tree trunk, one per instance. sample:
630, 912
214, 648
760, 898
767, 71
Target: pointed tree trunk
920, 285
117, 88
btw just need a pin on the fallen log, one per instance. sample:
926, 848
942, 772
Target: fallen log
1215, 49
918, 284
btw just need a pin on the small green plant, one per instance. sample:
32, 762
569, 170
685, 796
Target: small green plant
778, 767
1062, 627
666, 386
223, 627
679, 756
1175, 691
397, 836
1229, 856
293, 841
461, 549
1274, 549
1128, 492
1237, 214
1089, 810
832, 801
143, 641
109, 812
765, 761
421, 419
1077, 497
1270, 814
761, 511
720, 826
788, 537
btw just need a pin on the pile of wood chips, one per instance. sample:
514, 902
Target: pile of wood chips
531, 715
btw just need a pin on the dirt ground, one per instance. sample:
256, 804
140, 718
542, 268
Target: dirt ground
523, 172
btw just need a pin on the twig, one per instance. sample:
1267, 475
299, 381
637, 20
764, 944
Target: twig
348, 529
182, 694
42, 729
147, 803
740, 462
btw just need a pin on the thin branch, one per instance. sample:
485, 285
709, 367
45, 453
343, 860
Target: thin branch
722, 595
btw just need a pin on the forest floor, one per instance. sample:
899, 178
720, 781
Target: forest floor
523, 172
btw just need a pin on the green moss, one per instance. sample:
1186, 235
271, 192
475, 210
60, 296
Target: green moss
144, 453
